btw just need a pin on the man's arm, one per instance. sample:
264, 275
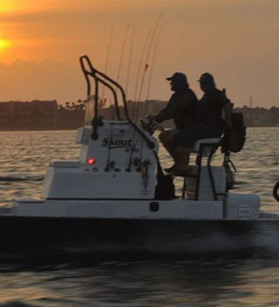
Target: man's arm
166, 113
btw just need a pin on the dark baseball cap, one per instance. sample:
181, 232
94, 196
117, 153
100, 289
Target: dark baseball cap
179, 78
206, 78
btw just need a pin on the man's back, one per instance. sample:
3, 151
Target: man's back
209, 108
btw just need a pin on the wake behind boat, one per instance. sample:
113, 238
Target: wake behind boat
117, 198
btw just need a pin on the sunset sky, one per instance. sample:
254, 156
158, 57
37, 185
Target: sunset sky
236, 40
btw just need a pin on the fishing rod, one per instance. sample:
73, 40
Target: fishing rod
107, 58
143, 75
146, 66
130, 59
136, 103
135, 106
148, 56
147, 45
122, 53
110, 164
152, 66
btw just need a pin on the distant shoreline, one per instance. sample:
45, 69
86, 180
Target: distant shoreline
40, 115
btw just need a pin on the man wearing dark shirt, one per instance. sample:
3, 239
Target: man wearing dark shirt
209, 124
181, 108
209, 111
182, 104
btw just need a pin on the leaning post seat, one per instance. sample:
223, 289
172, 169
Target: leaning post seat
204, 148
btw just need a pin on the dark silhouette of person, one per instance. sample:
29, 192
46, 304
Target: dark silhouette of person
209, 124
181, 108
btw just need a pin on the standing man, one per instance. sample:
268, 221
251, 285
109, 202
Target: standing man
181, 108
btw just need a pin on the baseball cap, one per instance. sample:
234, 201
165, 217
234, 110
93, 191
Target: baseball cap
179, 78
206, 78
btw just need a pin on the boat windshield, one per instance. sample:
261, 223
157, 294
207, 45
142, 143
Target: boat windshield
89, 110
106, 109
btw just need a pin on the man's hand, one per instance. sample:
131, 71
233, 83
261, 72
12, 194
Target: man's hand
150, 117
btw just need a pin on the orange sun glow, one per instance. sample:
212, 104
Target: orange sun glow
4, 44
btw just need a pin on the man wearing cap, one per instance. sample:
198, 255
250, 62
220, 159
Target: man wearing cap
181, 108
209, 123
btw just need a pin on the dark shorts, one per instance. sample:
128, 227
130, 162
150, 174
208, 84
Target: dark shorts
189, 136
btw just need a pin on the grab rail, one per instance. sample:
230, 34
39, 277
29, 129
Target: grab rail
93, 72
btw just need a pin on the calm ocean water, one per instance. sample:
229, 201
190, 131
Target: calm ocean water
234, 280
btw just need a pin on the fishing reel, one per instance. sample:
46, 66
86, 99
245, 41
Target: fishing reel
150, 125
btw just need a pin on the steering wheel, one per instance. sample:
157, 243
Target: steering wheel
151, 125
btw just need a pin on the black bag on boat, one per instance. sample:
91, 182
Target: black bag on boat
234, 138
165, 188
235, 130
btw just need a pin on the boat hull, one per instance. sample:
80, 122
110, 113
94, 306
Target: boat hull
131, 236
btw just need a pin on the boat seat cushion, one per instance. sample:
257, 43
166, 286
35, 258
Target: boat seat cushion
208, 142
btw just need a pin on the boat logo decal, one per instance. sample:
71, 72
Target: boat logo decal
117, 143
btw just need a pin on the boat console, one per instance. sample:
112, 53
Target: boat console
116, 165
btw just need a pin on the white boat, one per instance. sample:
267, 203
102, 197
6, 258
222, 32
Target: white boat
117, 192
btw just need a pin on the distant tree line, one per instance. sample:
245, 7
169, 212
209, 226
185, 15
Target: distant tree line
41, 115
49, 115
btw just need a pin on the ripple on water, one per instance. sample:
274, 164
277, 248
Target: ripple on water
231, 280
